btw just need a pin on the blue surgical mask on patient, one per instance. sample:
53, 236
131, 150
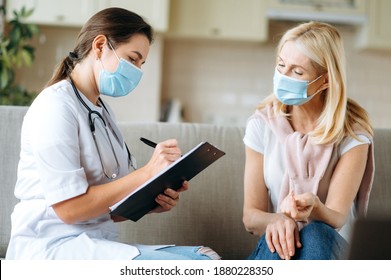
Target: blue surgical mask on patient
290, 91
120, 82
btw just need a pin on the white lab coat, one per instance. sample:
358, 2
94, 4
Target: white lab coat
58, 161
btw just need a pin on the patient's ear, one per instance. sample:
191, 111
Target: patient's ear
325, 84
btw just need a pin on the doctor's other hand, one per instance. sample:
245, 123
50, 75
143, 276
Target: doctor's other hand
169, 199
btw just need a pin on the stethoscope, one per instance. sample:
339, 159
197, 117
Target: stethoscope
94, 115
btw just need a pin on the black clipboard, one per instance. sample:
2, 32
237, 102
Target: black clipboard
142, 200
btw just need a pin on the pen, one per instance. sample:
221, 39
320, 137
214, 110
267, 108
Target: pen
148, 142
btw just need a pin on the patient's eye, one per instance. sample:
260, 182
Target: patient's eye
300, 73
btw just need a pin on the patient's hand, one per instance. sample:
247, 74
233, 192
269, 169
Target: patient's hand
305, 203
288, 206
298, 207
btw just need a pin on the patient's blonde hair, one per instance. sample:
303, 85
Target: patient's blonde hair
323, 44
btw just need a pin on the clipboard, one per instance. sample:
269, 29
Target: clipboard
142, 200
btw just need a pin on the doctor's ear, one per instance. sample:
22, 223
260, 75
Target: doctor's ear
97, 45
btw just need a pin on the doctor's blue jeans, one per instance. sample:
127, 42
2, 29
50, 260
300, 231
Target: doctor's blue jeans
319, 242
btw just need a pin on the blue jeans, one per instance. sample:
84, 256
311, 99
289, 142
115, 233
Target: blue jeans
319, 242
178, 253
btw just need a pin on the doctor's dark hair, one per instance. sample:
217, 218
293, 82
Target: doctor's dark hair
117, 24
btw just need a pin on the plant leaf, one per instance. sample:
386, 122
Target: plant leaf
15, 51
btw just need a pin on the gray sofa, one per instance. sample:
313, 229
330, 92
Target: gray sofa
210, 213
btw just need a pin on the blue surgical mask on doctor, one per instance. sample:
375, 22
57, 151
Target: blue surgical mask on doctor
290, 91
120, 82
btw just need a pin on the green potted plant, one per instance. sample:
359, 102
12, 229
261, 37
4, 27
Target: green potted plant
15, 52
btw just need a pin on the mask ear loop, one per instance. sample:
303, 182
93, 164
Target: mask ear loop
111, 47
316, 92
313, 81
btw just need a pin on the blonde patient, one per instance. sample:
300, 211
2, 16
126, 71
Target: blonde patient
309, 152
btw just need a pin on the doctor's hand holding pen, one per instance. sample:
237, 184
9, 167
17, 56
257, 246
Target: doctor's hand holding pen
165, 153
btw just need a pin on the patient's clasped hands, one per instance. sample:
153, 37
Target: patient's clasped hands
282, 236
298, 207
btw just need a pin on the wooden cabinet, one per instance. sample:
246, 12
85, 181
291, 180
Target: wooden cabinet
155, 12
218, 19
376, 34
77, 12
337, 11
49, 12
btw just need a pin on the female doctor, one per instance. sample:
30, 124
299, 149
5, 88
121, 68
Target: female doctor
74, 163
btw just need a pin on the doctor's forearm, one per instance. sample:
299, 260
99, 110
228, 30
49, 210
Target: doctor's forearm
97, 200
